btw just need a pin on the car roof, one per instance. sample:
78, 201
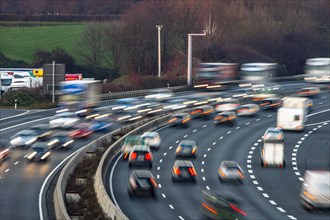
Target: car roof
248, 105
274, 129
183, 163
149, 134
142, 173
229, 163
26, 132
227, 113
187, 142
180, 115
140, 148
40, 145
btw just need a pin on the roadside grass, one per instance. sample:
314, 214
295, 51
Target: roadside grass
20, 40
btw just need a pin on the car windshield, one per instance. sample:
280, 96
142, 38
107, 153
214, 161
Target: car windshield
38, 149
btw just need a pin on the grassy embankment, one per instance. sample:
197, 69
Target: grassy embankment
19, 40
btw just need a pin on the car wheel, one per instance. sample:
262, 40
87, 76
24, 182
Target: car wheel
130, 165
150, 165
283, 163
262, 163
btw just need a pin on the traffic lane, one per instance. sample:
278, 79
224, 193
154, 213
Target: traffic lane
235, 146
281, 185
21, 180
144, 208
9, 113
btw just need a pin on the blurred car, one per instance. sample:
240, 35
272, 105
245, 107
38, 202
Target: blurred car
154, 108
230, 171
23, 138
309, 91
64, 120
183, 170
42, 130
152, 139
269, 103
204, 111
4, 152
142, 183
101, 124
83, 113
225, 118
221, 206
173, 104
248, 110
315, 191
273, 134
61, 139
186, 148
82, 130
140, 156
180, 119
121, 104
39, 151
128, 145
227, 105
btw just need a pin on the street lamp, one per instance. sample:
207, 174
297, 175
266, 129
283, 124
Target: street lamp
159, 55
189, 69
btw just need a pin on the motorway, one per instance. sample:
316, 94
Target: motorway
268, 193
21, 182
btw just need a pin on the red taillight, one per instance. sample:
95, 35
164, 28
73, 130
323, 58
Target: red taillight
147, 156
133, 155
192, 171
153, 182
237, 209
176, 170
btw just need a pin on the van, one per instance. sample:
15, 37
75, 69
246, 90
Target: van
291, 118
272, 153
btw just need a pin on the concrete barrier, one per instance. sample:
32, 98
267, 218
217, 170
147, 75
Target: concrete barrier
108, 207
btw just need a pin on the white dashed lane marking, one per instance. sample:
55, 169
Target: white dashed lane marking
159, 186
158, 176
247, 123
163, 195
272, 202
7, 170
214, 143
194, 130
170, 147
165, 154
202, 170
255, 182
292, 217
203, 178
268, 116
180, 217
238, 127
228, 132
207, 187
171, 206
177, 142
208, 149
260, 188
205, 155
220, 137
204, 126
185, 136
265, 195
281, 210
158, 168
258, 119
16, 162
161, 160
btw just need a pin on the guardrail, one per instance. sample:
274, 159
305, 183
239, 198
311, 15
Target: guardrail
108, 207
119, 95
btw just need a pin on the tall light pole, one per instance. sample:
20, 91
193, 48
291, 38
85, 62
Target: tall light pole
189, 68
53, 97
159, 54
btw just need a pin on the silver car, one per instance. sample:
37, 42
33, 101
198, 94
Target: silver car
23, 138
315, 191
230, 171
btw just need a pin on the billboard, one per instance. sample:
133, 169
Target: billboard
73, 76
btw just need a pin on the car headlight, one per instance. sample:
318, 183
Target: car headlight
16, 141
45, 156
30, 141
31, 155
67, 143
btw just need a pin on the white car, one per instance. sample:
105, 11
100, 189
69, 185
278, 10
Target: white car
315, 191
227, 105
273, 134
152, 139
64, 120
24, 138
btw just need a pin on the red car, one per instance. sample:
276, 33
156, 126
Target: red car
81, 131
4, 153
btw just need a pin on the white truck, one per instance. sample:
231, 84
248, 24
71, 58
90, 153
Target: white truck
272, 154
79, 94
6, 81
293, 114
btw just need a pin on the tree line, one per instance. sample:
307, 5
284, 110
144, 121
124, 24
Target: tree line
287, 32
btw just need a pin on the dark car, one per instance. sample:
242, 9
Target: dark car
224, 206
204, 111
140, 156
142, 183
42, 130
186, 148
4, 152
225, 118
183, 170
269, 103
39, 151
180, 119
60, 140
